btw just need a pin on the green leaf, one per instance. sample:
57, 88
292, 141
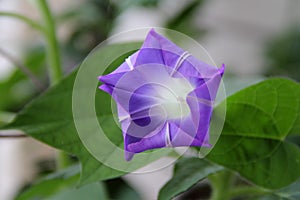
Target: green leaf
94, 191
295, 129
187, 172
62, 185
68, 115
290, 192
6, 117
51, 185
118, 189
64, 189
254, 138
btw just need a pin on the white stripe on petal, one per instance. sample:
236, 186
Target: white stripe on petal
122, 118
167, 136
201, 100
179, 61
129, 63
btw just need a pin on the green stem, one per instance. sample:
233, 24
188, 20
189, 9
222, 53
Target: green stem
247, 191
24, 19
54, 60
62, 160
221, 183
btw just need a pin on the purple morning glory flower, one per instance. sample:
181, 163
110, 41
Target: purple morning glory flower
164, 96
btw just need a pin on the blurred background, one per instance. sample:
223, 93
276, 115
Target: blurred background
253, 38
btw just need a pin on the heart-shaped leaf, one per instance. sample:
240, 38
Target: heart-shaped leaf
254, 139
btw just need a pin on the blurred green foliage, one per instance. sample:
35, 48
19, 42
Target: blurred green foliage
92, 22
283, 54
18, 89
184, 20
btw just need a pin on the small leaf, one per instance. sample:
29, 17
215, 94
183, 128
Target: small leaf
254, 138
187, 172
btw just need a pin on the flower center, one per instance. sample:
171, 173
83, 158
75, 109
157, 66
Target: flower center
172, 97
